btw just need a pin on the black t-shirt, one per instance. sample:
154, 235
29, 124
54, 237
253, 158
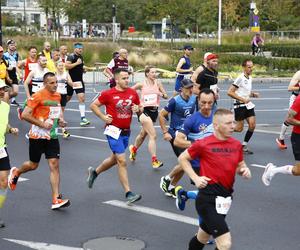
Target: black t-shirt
76, 73
207, 78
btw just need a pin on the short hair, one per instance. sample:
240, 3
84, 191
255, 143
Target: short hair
40, 54
55, 50
207, 91
119, 70
47, 75
222, 111
148, 68
32, 47
244, 63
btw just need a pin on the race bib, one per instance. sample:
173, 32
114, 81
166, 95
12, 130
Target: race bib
150, 99
112, 131
77, 85
13, 64
223, 204
3, 153
61, 88
36, 87
250, 105
54, 112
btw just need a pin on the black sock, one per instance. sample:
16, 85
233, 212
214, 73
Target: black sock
195, 244
248, 135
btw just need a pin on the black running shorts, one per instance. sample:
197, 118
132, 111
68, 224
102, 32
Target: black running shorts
70, 90
211, 222
243, 113
295, 140
177, 150
63, 100
4, 162
37, 147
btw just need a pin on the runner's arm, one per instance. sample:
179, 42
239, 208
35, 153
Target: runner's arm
137, 86
70, 65
179, 65
27, 116
231, 92
26, 83
196, 73
181, 140
162, 90
243, 170
291, 118
69, 80
95, 107
293, 86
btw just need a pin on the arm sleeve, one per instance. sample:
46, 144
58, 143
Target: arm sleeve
34, 101
296, 105
195, 149
102, 98
186, 127
136, 99
70, 58
111, 64
237, 82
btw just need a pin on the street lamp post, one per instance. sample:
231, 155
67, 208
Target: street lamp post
219, 26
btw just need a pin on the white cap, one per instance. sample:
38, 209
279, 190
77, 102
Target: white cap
2, 84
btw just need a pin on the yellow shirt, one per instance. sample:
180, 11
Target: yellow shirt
4, 112
51, 66
3, 68
47, 54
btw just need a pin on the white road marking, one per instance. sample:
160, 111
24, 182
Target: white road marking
155, 212
267, 131
77, 110
42, 245
86, 138
79, 128
258, 166
22, 179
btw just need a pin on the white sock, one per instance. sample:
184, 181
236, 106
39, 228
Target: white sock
171, 187
12, 99
282, 131
244, 143
82, 109
287, 169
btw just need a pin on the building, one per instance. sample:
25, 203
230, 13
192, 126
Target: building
34, 15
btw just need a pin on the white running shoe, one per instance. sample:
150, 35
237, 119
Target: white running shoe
268, 175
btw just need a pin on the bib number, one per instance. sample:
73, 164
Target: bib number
54, 112
150, 99
77, 85
61, 88
37, 87
250, 105
3, 153
112, 131
223, 204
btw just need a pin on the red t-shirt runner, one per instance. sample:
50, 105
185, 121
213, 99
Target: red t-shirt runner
218, 158
296, 108
118, 104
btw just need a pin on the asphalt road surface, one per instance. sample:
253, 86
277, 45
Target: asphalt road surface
261, 218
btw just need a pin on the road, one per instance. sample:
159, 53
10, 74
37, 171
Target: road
261, 218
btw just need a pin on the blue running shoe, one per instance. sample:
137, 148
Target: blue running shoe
181, 198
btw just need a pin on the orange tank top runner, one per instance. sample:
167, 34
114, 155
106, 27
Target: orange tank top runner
46, 107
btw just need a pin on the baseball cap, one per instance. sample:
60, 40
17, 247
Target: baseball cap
212, 56
189, 47
2, 84
187, 83
10, 42
206, 55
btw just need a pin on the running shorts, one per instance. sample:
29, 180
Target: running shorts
37, 147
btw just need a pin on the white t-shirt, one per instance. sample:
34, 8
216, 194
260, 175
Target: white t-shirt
243, 85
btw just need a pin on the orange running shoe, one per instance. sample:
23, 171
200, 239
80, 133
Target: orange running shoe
281, 144
60, 203
13, 178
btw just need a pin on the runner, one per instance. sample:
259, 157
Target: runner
197, 126
51, 63
184, 67
256, 42
12, 57
293, 119
4, 71
208, 78
180, 107
118, 62
34, 81
4, 157
294, 87
63, 53
241, 92
47, 50
43, 111
151, 90
75, 65
63, 79
221, 158
120, 102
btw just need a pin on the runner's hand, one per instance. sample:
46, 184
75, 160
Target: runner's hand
245, 172
62, 123
79, 61
135, 108
14, 131
47, 125
202, 181
167, 137
108, 119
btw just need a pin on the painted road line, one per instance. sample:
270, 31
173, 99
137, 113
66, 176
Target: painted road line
267, 131
78, 128
258, 166
86, 138
154, 212
42, 245
77, 110
22, 179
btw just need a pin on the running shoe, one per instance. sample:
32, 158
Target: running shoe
2, 224
132, 197
92, 175
181, 198
13, 178
171, 193
281, 144
59, 202
164, 184
157, 164
132, 152
14, 103
268, 175
246, 150
66, 134
84, 122
20, 111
